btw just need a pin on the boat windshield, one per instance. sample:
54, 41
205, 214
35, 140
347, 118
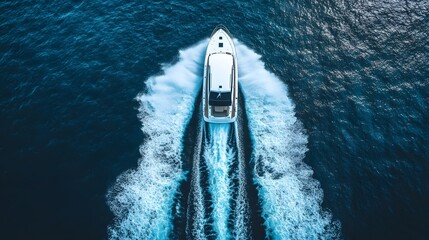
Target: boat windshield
220, 99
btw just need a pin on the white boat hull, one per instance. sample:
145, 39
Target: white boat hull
220, 82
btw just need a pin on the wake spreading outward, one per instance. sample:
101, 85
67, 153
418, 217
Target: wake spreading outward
221, 175
142, 198
290, 197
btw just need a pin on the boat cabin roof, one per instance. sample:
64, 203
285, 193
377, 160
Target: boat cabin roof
220, 72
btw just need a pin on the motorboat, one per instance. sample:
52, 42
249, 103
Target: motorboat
220, 82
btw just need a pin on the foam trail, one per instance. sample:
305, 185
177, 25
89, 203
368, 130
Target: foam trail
199, 221
291, 198
142, 199
242, 207
219, 155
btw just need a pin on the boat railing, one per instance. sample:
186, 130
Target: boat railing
220, 26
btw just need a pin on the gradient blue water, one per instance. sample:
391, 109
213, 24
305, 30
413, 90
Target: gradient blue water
357, 72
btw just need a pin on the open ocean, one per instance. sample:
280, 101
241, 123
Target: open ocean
101, 135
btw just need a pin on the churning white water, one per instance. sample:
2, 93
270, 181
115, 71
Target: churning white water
219, 156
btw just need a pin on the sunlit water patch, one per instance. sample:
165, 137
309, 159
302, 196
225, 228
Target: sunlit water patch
291, 198
142, 198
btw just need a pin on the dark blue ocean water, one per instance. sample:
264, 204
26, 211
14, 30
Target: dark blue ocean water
76, 94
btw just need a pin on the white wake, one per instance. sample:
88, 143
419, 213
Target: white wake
291, 198
142, 199
199, 220
219, 157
